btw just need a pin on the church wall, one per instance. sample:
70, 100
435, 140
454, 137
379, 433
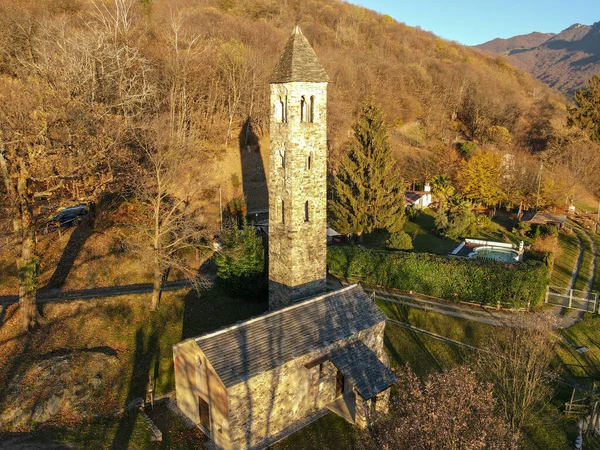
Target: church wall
194, 378
274, 404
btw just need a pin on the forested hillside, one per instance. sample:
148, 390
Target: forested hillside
164, 104
564, 61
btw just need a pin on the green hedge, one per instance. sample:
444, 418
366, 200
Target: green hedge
486, 282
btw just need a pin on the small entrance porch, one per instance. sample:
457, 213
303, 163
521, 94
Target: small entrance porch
345, 406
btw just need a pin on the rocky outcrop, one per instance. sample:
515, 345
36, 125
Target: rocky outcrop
64, 384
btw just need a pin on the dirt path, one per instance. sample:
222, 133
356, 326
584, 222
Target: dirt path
467, 312
592, 273
50, 296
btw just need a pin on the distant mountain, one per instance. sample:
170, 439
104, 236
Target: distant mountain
564, 61
523, 41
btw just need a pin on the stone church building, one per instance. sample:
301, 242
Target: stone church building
251, 384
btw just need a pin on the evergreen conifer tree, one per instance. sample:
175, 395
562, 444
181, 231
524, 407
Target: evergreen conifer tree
586, 112
368, 189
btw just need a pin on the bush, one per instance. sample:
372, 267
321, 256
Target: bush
399, 241
513, 285
523, 229
467, 149
412, 214
461, 225
241, 261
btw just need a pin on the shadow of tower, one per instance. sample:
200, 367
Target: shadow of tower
254, 180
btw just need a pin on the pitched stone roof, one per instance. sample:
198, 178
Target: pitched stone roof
260, 344
298, 62
364, 370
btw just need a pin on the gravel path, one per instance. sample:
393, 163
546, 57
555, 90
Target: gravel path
474, 313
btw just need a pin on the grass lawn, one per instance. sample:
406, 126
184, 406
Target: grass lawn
584, 269
127, 432
141, 339
422, 231
596, 284
565, 262
584, 367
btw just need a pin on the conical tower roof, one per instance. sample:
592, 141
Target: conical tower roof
298, 62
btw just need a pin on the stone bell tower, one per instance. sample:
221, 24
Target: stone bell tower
297, 175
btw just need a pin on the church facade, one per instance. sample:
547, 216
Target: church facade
251, 384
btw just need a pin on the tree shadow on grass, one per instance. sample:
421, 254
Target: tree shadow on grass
77, 240
146, 352
206, 310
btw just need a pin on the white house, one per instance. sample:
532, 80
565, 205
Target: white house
418, 199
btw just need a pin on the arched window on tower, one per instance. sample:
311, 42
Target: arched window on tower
282, 157
281, 112
282, 211
311, 110
303, 109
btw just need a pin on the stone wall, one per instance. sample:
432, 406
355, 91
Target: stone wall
263, 407
194, 378
297, 174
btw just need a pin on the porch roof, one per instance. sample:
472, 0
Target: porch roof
361, 366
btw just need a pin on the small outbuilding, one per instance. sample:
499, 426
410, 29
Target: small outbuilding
418, 199
543, 218
251, 384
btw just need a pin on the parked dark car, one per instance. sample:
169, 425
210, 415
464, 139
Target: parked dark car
67, 217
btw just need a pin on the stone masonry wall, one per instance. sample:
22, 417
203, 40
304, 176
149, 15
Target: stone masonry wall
264, 407
297, 174
194, 378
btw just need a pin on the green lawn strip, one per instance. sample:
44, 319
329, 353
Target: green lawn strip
330, 432
584, 269
461, 330
565, 262
422, 231
549, 429
583, 367
596, 284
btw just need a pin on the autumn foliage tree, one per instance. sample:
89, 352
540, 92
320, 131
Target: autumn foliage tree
368, 192
480, 177
447, 410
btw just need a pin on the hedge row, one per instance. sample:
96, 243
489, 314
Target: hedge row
513, 285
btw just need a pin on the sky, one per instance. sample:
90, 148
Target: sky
472, 22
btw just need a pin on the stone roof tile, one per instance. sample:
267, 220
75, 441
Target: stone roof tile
298, 62
364, 370
245, 350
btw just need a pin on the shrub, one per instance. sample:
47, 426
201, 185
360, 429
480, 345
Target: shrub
523, 228
467, 149
399, 241
513, 285
240, 263
413, 214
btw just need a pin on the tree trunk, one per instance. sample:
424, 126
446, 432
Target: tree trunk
27, 263
156, 285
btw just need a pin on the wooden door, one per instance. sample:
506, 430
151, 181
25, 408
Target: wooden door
204, 413
339, 384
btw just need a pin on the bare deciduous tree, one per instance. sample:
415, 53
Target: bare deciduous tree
517, 363
48, 150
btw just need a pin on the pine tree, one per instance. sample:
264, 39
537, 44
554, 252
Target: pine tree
586, 113
368, 191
